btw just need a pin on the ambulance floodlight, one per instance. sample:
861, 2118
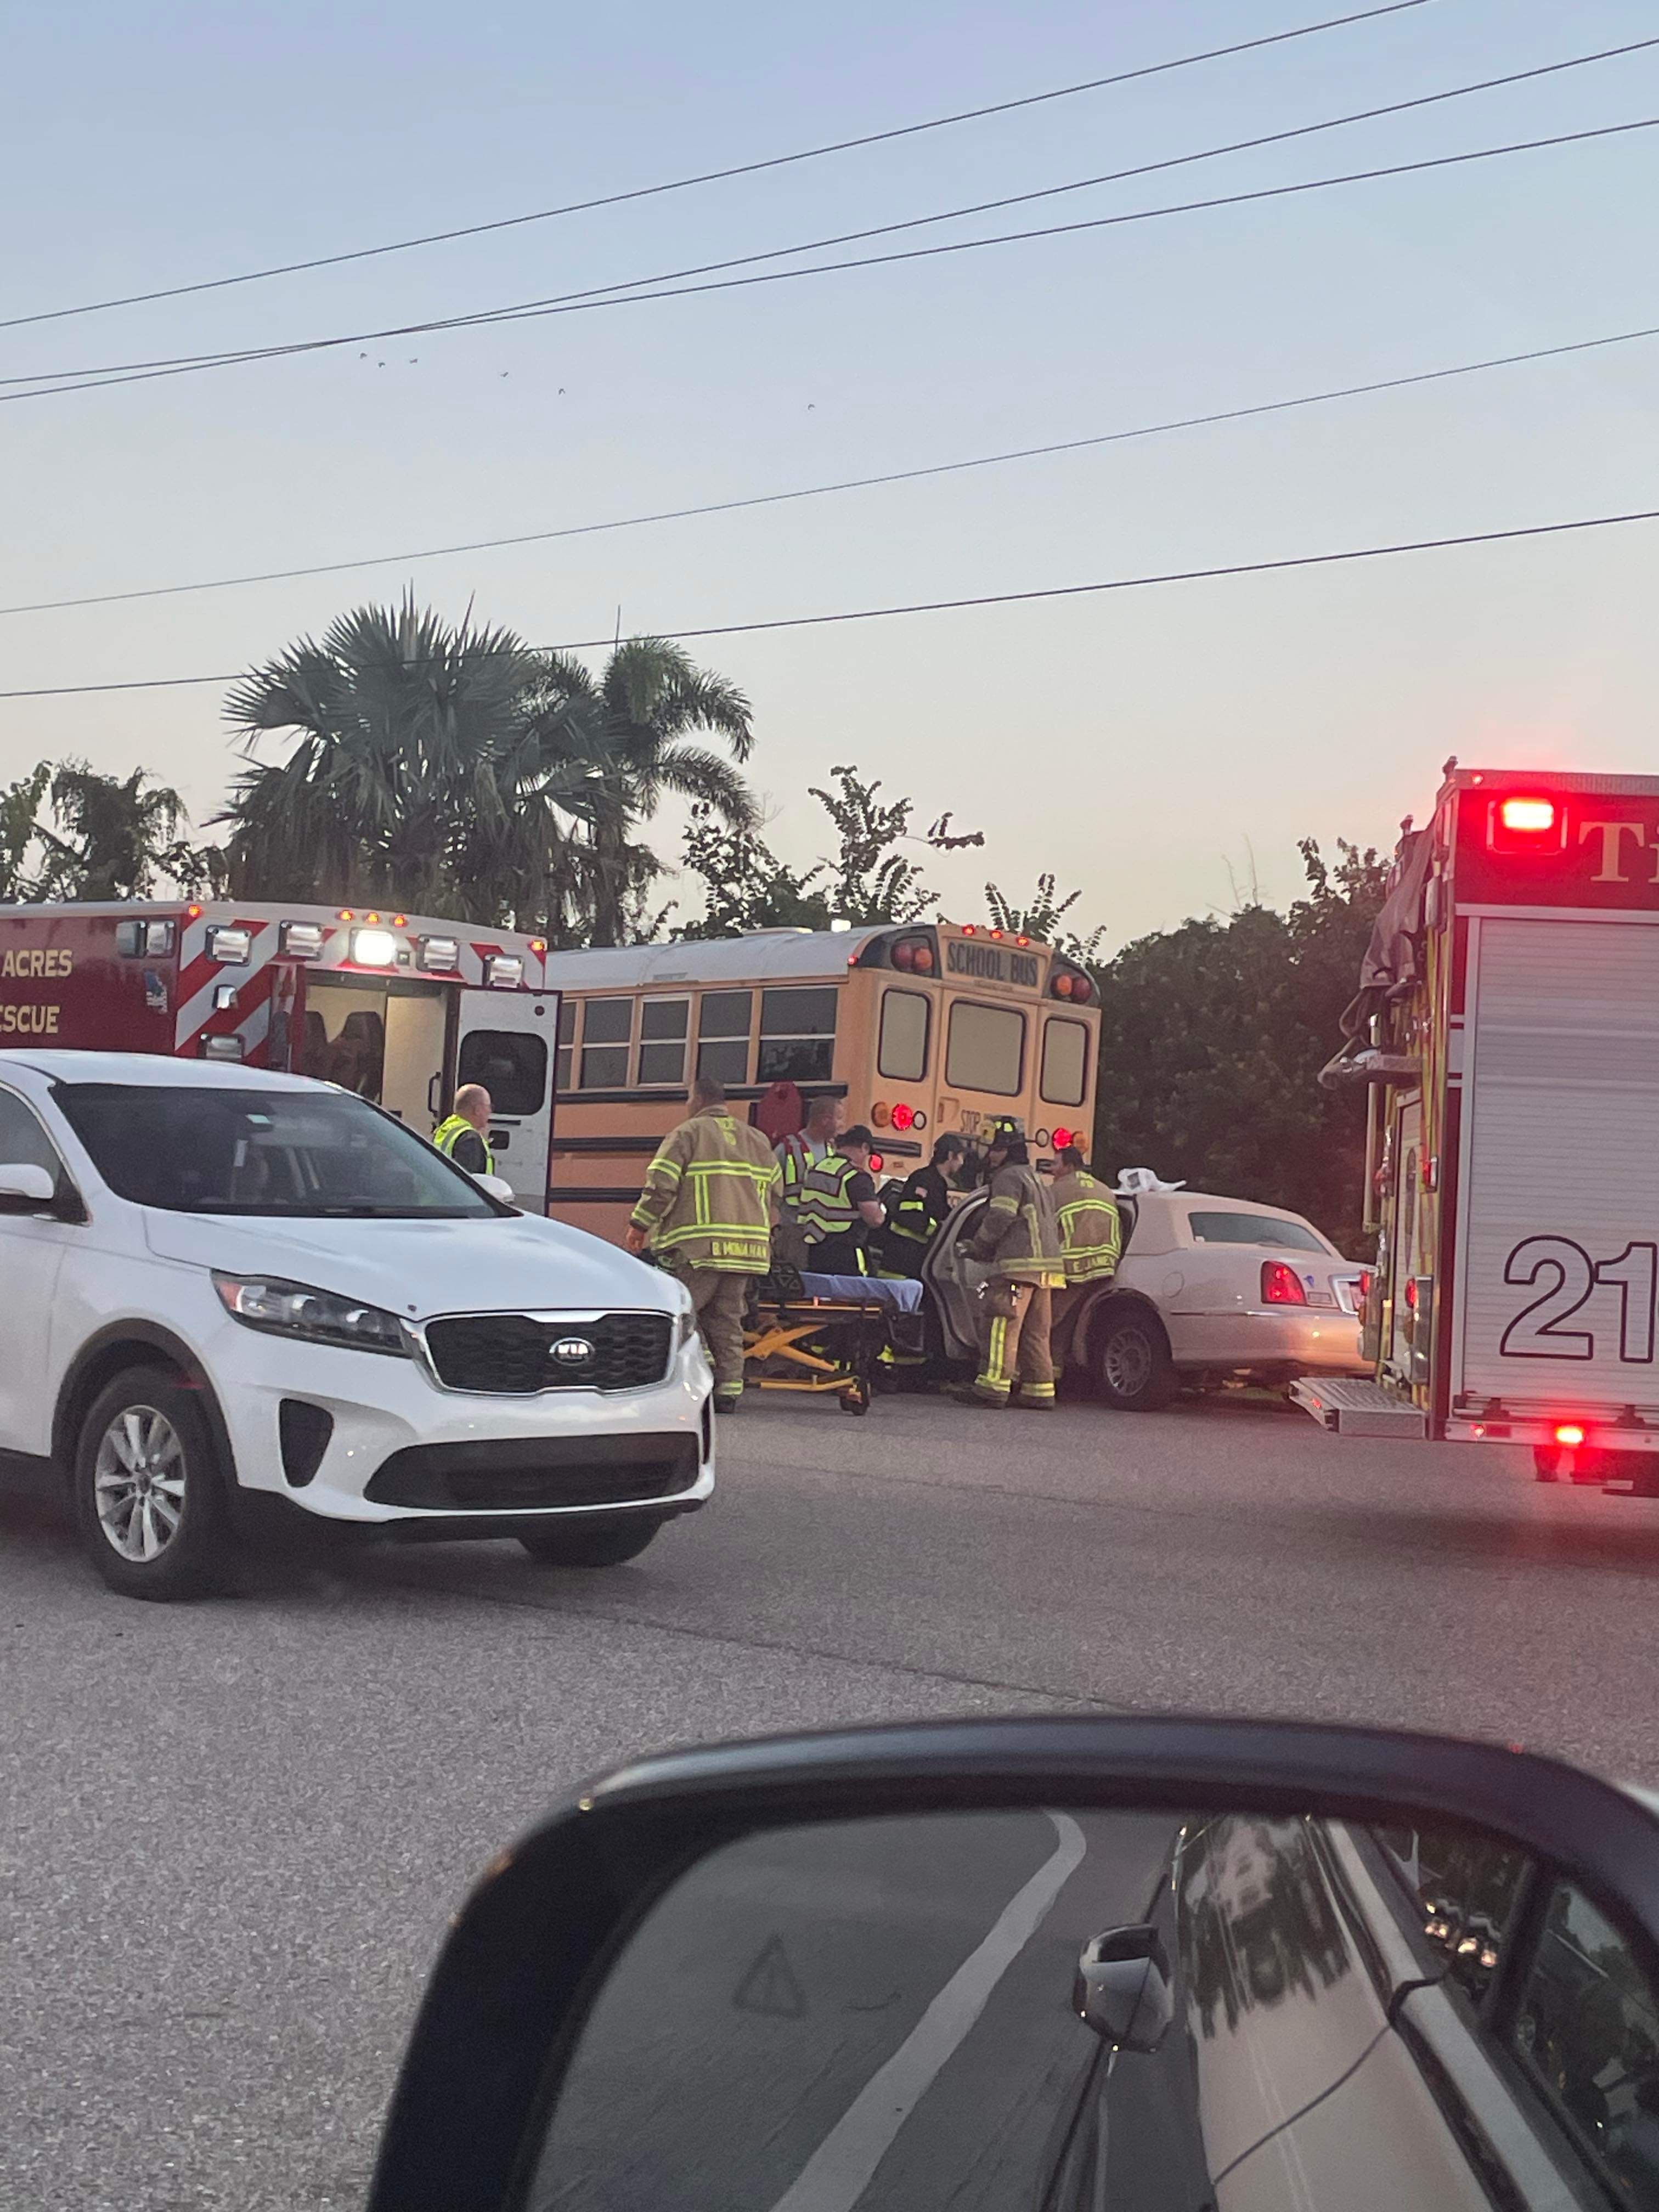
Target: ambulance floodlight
374, 948
302, 940
504, 971
439, 955
230, 947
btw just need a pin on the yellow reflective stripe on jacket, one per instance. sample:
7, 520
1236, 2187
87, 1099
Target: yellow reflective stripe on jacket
707, 1195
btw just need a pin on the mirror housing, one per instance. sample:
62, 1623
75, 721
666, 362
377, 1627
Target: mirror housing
24, 1187
1122, 1988
496, 1187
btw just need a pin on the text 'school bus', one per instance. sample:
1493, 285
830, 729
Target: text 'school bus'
1508, 1030
401, 1008
921, 1029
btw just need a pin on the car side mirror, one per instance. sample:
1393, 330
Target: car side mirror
24, 1187
497, 1187
843, 1969
1122, 1988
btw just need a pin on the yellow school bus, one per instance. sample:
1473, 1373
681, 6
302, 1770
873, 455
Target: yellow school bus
922, 1028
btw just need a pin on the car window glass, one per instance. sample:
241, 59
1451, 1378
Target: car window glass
1588, 2027
308, 1154
1253, 1228
23, 1142
511, 1065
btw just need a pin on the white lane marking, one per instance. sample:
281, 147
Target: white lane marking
840, 2169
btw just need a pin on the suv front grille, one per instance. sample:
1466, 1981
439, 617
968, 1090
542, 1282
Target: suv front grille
519, 1354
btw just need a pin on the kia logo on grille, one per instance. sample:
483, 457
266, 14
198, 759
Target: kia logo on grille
571, 1351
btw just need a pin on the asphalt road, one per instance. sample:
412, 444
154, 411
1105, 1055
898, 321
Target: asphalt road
231, 1834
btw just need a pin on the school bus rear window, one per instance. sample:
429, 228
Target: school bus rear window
985, 1049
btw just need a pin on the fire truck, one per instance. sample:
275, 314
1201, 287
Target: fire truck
400, 1008
1506, 1033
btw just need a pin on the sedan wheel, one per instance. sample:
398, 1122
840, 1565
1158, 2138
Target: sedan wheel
1131, 1362
149, 1490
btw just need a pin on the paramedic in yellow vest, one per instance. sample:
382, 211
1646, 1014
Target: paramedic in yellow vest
1090, 1231
464, 1135
1017, 1236
838, 1207
707, 1210
797, 1154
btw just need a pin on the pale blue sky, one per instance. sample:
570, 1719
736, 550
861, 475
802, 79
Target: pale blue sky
1137, 744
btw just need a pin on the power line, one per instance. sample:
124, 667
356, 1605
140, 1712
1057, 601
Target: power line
581, 302
848, 483
710, 176
947, 606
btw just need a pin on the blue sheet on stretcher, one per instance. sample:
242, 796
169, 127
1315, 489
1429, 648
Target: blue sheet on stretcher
865, 1290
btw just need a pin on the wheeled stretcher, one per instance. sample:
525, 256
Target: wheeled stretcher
826, 1339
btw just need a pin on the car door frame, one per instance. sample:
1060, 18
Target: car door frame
26, 1421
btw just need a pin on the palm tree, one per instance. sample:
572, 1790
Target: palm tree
407, 732
635, 723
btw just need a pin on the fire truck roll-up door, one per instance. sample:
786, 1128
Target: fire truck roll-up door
508, 1040
1558, 1212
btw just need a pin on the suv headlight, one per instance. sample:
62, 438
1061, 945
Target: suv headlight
284, 1308
685, 1324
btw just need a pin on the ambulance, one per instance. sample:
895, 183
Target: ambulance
401, 1008
1506, 1036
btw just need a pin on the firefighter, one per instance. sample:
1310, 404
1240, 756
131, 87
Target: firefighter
463, 1136
1017, 1237
706, 1209
838, 1206
920, 1208
1091, 1232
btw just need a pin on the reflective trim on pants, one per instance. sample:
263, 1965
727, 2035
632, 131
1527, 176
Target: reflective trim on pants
1017, 1341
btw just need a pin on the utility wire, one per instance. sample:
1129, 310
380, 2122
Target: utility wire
847, 483
946, 606
709, 176
581, 302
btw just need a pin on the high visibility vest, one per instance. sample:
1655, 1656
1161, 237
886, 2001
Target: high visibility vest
448, 1133
825, 1208
796, 1162
707, 1196
1090, 1231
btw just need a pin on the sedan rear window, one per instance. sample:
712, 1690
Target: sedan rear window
293, 1153
1255, 1229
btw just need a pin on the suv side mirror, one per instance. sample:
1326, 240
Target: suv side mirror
1122, 1988
24, 1187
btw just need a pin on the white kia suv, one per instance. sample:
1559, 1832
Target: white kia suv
227, 1295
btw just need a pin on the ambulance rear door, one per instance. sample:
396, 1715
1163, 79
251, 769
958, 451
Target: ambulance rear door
508, 1041
1559, 1172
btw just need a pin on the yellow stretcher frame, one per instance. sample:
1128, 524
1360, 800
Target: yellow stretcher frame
780, 1338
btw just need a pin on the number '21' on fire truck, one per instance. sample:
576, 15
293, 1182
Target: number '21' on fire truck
1507, 1032
401, 1008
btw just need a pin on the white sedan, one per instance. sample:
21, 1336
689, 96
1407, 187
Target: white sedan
1209, 1291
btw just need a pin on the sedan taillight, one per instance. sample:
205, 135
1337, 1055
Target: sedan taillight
1281, 1286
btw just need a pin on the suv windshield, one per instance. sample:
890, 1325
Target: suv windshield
288, 1153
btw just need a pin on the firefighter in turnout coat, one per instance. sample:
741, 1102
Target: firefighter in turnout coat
707, 1210
1017, 1236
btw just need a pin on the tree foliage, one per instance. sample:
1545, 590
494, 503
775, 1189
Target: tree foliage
746, 886
454, 769
1042, 918
1212, 1037
67, 832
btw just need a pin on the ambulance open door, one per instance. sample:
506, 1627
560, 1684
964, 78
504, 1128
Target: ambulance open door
508, 1041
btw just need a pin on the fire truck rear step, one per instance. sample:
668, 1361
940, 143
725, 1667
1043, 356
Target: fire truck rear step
1354, 1407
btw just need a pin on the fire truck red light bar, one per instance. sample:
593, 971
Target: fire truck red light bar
1533, 815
